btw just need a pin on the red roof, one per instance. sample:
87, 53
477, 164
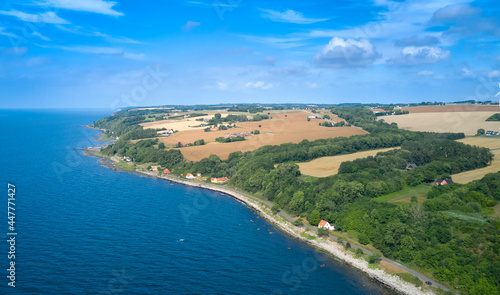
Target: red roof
322, 223
166, 171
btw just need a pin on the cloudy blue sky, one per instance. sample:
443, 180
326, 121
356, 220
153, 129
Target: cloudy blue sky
110, 54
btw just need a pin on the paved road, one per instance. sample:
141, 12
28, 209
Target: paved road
289, 218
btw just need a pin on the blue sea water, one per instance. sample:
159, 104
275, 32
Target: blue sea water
86, 229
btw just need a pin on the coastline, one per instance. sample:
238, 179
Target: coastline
323, 243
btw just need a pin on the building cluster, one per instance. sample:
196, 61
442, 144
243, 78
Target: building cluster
219, 180
236, 134
168, 132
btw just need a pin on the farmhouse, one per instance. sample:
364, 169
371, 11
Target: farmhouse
492, 133
127, 159
410, 166
443, 181
154, 167
219, 180
166, 171
189, 176
326, 225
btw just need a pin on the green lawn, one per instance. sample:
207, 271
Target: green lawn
419, 191
497, 211
125, 166
469, 217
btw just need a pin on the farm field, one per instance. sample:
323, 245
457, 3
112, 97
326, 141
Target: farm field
453, 108
190, 123
466, 122
405, 195
327, 166
283, 128
493, 143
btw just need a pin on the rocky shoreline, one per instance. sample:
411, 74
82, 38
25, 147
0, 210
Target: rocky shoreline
322, 243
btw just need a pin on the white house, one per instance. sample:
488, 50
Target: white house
325, 224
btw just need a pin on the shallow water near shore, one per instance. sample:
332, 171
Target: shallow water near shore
85, 229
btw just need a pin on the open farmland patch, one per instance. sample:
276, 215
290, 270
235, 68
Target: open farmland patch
282, 128
327, 166
493, 143
453, 108
466, 122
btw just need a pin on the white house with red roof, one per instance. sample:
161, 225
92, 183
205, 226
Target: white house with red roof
325, 224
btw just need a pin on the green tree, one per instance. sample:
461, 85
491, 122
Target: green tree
296, 205
373, 259
161, 146
217, 116
323, 232
314, 217
480, 131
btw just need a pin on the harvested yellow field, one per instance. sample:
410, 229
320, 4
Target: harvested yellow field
282, 128
493, 143
180, 125
391, 268
466, 122
327, 166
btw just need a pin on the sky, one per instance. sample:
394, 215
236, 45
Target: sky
115, 54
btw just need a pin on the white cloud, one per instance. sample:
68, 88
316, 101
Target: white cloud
94, 6
467, 73
412, 56
270, 60
5, 33
15, 50
261, 85
340, 53
494, 74
425, 73
455, 12
290, 71
115, 39
289, 16
283, 43
47, 17
109, 51
311, 84
39, 35
213, 4
190, 25
222, 86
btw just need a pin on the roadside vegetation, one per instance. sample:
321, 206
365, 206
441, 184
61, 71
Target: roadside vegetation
440, 230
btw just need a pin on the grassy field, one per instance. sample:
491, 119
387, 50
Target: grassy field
497, 211
125, 166
493, 143
327, 166
282, 128
467, 121
404, 196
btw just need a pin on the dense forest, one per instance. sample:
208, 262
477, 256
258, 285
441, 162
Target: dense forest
446, 235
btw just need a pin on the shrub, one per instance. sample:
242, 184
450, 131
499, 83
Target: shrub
374, 259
